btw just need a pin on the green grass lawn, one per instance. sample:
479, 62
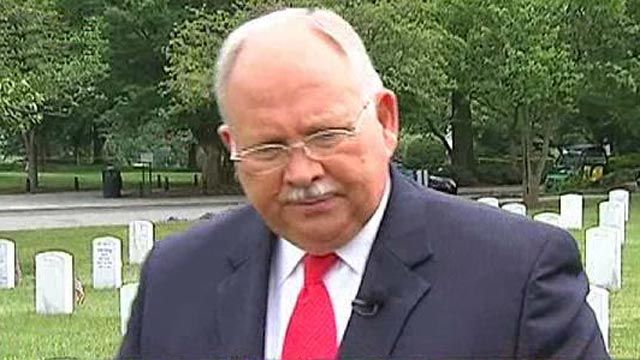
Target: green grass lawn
624, 332
93, 331
89, 178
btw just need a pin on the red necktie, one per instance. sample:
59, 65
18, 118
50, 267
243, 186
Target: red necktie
312, 328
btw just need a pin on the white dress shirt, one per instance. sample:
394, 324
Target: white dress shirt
343, 280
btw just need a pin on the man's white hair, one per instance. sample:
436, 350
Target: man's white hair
325, 21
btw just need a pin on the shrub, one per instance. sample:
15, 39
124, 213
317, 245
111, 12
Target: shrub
422, 152
498, 171
626, 161
620, 176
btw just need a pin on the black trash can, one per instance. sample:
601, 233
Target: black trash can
111, 182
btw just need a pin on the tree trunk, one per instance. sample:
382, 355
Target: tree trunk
211, 145
42, 150
443, 139
210, 170
28, 138
76, 152
226, 169
533, 164
547, 130
514, 144
97, 143
192, 160
463, 153
526, 154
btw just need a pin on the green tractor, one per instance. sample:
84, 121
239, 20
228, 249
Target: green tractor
583, 162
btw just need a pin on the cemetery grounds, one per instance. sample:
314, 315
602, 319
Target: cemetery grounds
61, 178
93, 330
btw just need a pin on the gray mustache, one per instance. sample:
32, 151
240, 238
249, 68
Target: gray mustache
311, 192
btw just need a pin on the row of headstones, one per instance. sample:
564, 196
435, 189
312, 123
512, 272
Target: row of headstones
54, 271
55, 285
106, 256
571, 210
603, 243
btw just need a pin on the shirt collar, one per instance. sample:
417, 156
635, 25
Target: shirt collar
354, 253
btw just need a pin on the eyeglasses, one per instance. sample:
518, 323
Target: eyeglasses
263, 158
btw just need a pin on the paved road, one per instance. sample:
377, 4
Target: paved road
73, 209
39, 219
89, 208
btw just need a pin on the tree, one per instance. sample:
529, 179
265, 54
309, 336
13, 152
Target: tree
604, 41
410, 51
536, 82
192, 56
48, 69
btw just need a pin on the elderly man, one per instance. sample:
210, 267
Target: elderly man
338, 255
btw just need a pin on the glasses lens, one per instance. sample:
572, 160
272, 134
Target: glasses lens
266, 154
264, 159
324, 143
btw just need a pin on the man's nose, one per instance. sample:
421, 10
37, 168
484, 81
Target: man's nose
301, 170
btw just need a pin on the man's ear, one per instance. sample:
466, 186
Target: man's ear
224, 131
389, 118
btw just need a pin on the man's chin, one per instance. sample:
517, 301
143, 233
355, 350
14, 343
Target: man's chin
317, 236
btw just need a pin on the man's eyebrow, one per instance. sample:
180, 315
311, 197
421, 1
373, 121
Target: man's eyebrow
268, 140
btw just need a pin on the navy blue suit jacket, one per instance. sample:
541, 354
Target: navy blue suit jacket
455, 279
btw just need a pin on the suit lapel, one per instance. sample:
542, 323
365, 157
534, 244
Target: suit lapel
241, 311
389, 278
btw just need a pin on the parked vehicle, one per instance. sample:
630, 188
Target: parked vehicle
443, 184
582, 161
438, 183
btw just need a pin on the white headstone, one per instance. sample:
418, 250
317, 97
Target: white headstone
611, 214
107, 263
516, 208
491, 201
604, 257
622, 196
127, 295
571, 211
54, 283
140, 240
598, 300
7, 264
548, 218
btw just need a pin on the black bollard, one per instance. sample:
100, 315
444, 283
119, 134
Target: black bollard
76, 183
159, 181
166, 183
28, 185
195, 180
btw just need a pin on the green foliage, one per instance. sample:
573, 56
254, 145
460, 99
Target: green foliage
411, 51
498, 171
47, 66
620, 177
168, 146
422, 152
536, 72
625, 161
191, 56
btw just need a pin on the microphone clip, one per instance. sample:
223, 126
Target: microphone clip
365, 308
